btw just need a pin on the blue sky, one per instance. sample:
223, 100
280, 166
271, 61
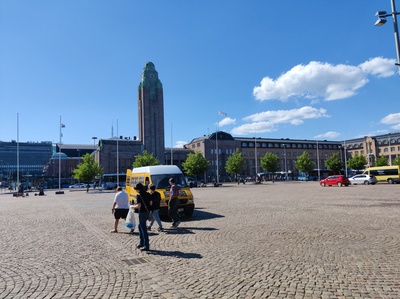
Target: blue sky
314, 69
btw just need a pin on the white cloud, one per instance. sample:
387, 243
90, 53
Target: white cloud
180, 144
328, 135
379, 66
393, 118
323, 80
254, 128
266, 121
227, 121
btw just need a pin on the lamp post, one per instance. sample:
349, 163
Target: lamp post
59, 159
319, 176
94, 144
284, 155
382, 20
345, 158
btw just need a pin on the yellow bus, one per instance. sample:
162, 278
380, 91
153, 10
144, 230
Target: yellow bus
159, 176
390, 174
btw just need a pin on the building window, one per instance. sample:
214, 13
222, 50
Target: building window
385, 150
270, 145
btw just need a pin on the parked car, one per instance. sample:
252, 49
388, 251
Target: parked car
333, 180
363, 179
78, 185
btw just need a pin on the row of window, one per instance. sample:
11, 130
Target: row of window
380, 142
289, 145
21, 166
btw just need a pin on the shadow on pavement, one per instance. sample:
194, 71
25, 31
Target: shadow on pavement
178, 254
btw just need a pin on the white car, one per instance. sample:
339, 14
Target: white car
363, 179
78, 185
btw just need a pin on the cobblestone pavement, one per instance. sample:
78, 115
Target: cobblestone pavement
282, 240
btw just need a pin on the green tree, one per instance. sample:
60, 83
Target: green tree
381, 161
333, 163
195, 164
356, 162
235, 163
304, 163
88, 170
270, 163
396, 161
145, 159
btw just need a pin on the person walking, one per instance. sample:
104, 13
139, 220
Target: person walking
120, 207
155, 207
143, 203
173, 204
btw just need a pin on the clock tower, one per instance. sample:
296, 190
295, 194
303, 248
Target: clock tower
151, 113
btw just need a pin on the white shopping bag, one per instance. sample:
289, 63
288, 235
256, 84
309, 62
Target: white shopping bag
130, 219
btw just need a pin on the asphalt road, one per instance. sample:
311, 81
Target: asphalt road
281, 240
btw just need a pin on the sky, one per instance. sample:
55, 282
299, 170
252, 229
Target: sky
313, 69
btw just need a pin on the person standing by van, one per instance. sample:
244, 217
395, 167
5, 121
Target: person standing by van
173, 203
155, 207
143, 204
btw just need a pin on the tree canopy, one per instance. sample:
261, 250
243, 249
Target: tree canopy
356, 162
145, 159
270, 162
396, 161
195, 164
88, 170
333, 163
304, 163
235, 163
381, 161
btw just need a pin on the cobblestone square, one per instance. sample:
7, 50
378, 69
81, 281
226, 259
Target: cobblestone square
273, 240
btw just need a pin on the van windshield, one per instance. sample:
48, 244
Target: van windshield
161, 181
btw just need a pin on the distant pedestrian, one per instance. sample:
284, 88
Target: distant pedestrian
173, 203
155, 207
120, 207
143, 203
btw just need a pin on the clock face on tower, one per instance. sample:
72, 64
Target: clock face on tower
152, 76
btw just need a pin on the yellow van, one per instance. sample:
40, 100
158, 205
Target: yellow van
159, 176
390, 174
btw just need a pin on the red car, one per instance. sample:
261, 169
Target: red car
332, 180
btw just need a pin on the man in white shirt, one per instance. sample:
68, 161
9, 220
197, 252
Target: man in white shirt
120, 207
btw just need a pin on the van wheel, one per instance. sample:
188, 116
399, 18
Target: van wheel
366, 183
323, 184
390, 181
339, 184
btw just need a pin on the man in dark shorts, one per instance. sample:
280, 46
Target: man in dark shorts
120, 207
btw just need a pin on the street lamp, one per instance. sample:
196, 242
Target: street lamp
319, 174
284, 154
94, 143
382, 20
